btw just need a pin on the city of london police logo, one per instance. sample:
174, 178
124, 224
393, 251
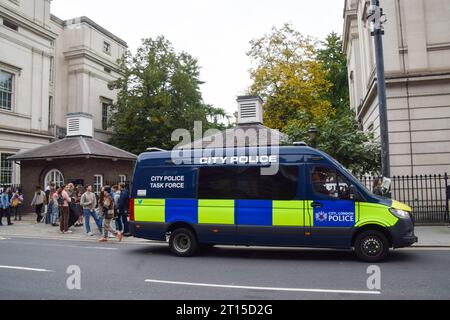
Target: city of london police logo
342, 217
321, 216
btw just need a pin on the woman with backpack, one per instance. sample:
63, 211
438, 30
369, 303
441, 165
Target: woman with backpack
16, 202
106, 206
38, 202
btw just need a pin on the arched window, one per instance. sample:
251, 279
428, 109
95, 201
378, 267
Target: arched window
55, 176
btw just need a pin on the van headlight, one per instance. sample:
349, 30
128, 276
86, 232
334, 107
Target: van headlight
402, 214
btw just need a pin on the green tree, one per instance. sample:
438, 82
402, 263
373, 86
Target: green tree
335, 62
159, 91
289, 78
305, 84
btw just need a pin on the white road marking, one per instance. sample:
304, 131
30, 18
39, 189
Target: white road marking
62, 245
25, 269
260, 288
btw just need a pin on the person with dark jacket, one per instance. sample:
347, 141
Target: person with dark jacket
123, 205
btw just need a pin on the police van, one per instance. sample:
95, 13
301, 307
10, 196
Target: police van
294, 197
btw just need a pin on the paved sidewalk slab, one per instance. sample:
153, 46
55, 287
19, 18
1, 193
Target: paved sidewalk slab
29, 228
433, 236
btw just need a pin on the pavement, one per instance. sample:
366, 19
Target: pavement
429, 236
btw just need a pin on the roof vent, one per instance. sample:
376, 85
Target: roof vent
250, 109
79, 124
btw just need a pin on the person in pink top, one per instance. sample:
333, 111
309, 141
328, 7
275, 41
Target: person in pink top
63, 203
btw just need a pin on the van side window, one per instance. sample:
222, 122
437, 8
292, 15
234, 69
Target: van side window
247, 183
328, 183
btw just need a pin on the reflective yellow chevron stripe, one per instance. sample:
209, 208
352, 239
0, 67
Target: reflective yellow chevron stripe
216, 212
150, 210
287, 213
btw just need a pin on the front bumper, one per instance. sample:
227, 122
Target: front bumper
402, 234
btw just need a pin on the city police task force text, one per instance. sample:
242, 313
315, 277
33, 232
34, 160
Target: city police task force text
170, 182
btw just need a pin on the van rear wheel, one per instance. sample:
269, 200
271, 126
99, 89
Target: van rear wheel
183, 242
372, 246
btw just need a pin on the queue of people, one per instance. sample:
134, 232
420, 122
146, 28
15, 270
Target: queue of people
10, 201
68, 206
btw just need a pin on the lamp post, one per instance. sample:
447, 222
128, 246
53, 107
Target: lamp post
312, 132
375, 17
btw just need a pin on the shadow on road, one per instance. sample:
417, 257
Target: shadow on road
264, 253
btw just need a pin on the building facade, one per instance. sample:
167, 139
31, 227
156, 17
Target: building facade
48, 68
417, 65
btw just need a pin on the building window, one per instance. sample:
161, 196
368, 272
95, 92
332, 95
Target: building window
98, 183
105, 115
54, 176
122, 178
10, 25
52, 68
50, 111
107, 47
6, 169
6, 90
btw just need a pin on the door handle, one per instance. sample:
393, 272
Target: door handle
316, 205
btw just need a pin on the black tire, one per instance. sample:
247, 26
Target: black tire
183, 242
372, 246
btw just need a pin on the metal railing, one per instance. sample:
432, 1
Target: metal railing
428, 195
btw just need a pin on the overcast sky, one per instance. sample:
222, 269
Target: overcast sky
216, 32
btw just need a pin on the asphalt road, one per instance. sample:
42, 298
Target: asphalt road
37, 269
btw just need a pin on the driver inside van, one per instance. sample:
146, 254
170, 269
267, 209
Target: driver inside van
319, 184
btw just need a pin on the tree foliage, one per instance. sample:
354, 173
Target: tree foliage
289, 78
158, 93
305, 84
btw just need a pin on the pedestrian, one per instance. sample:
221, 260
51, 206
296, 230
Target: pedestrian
115, 193
38, 202
78, 207
48, 189
89, 201
123, 206
5, 203
16, 202
53, 206
106, 205
63, 203
47, 196
377, 187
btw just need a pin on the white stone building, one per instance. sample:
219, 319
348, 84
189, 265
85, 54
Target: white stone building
48, 68
417, 64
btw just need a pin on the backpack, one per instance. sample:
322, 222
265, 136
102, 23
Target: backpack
60, 200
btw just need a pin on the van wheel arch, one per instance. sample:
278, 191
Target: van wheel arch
181, 225
376, 227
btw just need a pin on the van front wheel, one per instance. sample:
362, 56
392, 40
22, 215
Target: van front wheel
183, 243
371, 246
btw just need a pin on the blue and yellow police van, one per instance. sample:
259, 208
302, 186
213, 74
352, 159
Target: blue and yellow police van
227, 197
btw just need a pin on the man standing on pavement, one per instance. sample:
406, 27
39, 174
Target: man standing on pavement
5, 206
89, 202
123, 204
